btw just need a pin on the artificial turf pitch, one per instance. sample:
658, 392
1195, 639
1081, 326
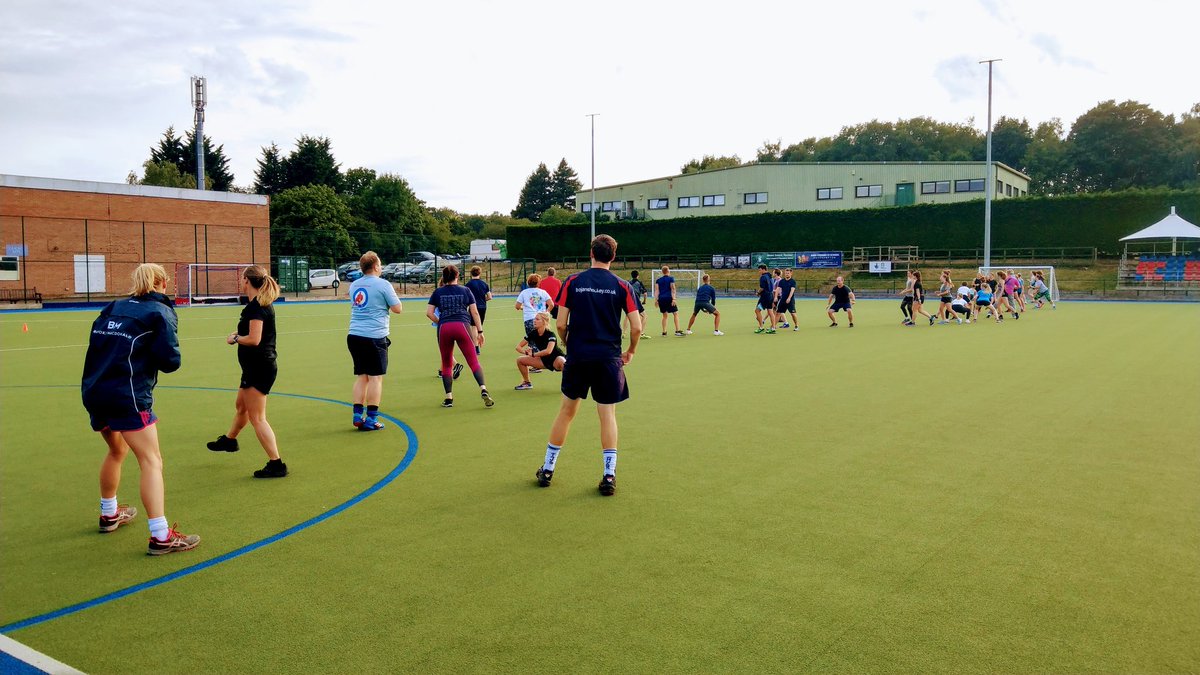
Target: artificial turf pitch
987, 498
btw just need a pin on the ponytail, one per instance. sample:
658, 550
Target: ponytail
449, 274
268, 288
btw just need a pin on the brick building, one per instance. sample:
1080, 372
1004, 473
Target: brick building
79, 239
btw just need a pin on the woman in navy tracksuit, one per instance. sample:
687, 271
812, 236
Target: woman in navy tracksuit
131, 342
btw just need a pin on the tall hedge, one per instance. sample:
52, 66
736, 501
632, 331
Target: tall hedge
1098, 220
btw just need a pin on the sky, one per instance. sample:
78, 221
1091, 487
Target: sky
465, 98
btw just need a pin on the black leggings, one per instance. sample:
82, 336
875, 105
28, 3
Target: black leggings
906, 307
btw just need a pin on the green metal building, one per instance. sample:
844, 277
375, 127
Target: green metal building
807, 186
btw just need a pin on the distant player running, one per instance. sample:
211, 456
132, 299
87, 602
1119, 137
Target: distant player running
1041, 294
841, 297
706, 301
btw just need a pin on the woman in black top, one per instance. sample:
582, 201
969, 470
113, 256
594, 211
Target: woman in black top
539, 349
255, 338
919, 298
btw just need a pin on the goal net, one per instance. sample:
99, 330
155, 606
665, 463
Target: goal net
686, 283
1028, 277
207, 283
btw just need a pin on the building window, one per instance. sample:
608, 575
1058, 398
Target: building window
972, 185
1008, 190
866, 191
689, 202
714, 200
999, 187
610, 206
755, 198
934, 187
829, 193
655, 204
587, 207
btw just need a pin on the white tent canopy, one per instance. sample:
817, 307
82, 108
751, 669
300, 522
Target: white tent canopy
1172, 227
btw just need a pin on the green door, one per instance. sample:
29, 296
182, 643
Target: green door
905, 195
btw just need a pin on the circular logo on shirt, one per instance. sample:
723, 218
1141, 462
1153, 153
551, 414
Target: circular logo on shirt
359, 298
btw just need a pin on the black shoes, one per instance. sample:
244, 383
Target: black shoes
275, 468
608, 485
223, 444
544, 477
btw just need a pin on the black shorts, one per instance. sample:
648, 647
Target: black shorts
766, 302
983, 303
259, 374
704, 307
789, 306
605, 379
120, 418
961, 309
482, 314
370, 354
554, 312
666, 306
548, 361
839, 305
947, 300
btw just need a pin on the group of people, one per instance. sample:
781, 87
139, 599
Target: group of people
993, 295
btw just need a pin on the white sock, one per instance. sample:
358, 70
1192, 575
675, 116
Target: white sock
158, 527
552, 451
610, 462
108, 507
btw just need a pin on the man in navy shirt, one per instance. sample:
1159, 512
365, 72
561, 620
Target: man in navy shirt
766, 299
666, 300
787, 299
706, 301
589, 321
840, 297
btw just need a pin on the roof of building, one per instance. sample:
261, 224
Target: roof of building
35, 183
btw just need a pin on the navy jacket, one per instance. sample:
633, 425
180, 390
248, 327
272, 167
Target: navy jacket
131, 341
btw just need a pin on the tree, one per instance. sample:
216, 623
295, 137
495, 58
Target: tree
392, 206
171, 150
356, 181
1050, 172
557, 215
1010, 141
311, 220
1187, 156
564, 185
1119, 146
312, 163
271, 177
163, 174
709, 162
535, 196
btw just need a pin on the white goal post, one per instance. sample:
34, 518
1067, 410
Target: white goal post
685, 281
208, 282
1027, 277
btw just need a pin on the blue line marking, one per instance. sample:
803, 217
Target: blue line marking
249, 548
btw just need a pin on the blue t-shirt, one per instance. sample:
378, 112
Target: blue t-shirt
453, 303
705, 294
480, 290
764, 285
664, 286
370, 300
597, 300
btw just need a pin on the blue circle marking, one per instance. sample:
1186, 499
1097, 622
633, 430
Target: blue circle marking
408, 458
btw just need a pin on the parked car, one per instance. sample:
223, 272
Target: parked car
421, 273
391, 270
354, 275
344, 269
323, 278
420, 256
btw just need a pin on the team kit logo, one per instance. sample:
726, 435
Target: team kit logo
359, 298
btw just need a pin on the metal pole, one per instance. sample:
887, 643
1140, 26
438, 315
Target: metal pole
990, 184
592, 206
199, 99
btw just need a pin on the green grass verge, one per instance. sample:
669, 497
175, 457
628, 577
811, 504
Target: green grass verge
981, 498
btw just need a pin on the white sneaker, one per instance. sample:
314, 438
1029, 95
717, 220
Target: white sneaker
689, 331
717, 332
960, 322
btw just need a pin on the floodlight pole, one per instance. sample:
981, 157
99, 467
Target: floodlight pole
199, 99
990, 180
592, 207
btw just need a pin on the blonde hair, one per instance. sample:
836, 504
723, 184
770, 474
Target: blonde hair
268, 288
704, 278
369, 261
146, 277
544, 316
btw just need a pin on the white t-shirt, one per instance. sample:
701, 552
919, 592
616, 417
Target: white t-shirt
964, 293
533, 300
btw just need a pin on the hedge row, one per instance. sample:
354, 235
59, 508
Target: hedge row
1098, 220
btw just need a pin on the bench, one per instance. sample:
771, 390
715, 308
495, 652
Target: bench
15, 295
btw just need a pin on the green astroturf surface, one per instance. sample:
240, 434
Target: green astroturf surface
1022, 497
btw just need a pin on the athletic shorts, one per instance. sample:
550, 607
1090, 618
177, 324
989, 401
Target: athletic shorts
259, 375
960, 309
120, 418
839, 305
947, 300
548, 361
554, 312
482, 314
765, 302
1043, 294
706, 307
789, 306
666, 306
370, 354
983, 303
605, 379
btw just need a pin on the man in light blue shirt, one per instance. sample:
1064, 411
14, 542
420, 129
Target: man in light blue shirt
372, 300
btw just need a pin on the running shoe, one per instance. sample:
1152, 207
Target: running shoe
524, 386
787, 325
678, 333
931, 321
544, 477
123, 516
689, 331
758, 330
608, 485
959, 321
770, 331
275, 468
717, 332
447, 402
664, 333
852, 324
488, 401
175, 542
458, 367
370, 424
833, 325
795, 328
223, 444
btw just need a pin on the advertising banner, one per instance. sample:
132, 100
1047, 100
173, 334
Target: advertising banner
811, 259
784, 259
881, 266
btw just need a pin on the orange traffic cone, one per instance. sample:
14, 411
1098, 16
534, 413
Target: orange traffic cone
24, 328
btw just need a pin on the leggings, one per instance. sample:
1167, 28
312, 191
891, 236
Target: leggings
455, 332
906, 306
